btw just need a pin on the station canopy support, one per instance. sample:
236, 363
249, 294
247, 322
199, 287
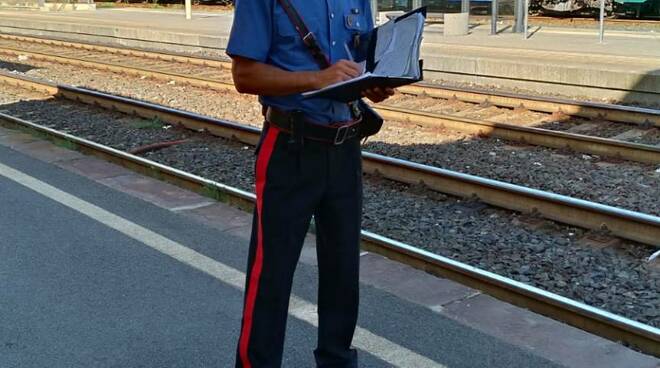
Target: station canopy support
601, 32
493, 17
465, 6
518, 14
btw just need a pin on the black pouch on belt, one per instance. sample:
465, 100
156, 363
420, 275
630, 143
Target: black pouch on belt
371, 120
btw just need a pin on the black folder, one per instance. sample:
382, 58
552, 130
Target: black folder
381, 57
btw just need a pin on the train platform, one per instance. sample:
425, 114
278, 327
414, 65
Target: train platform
561, 61
103, 267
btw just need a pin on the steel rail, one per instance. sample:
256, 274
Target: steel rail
592, 110
626, 224
537, 136
591, 319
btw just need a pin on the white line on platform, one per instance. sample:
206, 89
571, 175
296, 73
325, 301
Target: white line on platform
378, 346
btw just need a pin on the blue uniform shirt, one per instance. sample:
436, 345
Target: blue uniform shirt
263, 32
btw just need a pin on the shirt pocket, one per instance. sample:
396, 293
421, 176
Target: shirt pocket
356, 23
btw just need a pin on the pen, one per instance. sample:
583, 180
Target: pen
348, 51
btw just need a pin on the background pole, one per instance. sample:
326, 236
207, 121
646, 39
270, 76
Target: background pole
518, 16
526, 18
493, 17
374, 10
465, 6
188, 9
601, 33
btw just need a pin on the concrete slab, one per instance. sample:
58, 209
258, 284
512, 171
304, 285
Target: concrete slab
414, 285
239, 224
46, 151
15, 138
5, 132
166, 30
93, 168
220, 216
560, 343
154, 191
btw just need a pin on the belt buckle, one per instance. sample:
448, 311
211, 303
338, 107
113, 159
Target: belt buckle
342, 132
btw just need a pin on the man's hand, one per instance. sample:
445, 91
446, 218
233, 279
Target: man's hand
340, 71
257, 78
378, 94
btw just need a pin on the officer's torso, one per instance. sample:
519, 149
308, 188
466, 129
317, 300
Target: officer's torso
335, 23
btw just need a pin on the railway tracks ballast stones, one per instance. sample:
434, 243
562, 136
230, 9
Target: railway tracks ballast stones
589, 177
549, 255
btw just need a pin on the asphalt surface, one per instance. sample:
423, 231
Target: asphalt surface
76, 293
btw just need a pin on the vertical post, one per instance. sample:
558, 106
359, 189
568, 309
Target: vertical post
518, 16
526, 18
601, 33
465, 6
188, 9
493, 17
416, 4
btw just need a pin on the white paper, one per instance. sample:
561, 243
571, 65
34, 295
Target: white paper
397, 47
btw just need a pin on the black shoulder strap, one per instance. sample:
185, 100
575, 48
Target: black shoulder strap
309, 40
308, 37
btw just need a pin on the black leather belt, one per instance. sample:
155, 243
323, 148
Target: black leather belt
335, 133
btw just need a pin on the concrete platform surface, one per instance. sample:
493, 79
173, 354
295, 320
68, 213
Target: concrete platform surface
103, 267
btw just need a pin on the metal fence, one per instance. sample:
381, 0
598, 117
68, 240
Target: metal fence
519, 9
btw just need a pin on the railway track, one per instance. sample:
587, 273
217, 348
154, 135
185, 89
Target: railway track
622, 223
213, 74
615, 327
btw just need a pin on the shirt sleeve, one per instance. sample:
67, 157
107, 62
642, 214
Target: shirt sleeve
251, 32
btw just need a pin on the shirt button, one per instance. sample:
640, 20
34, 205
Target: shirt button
332, 15
334, 43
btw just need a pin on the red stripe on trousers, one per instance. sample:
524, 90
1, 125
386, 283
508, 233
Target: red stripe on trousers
263, 158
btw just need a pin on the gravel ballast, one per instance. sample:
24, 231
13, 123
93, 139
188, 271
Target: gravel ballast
549, 256
627, 185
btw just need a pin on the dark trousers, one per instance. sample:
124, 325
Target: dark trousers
294, 182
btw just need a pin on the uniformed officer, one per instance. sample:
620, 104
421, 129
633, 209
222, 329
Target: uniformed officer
308, 164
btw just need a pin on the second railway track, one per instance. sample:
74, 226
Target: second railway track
213, 74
